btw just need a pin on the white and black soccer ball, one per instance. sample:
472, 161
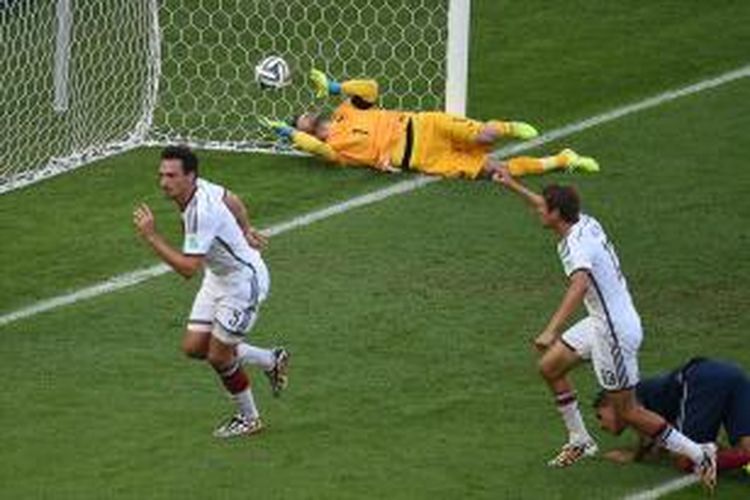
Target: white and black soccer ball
273, 72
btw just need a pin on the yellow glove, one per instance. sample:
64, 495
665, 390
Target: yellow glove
281, 128
323, 85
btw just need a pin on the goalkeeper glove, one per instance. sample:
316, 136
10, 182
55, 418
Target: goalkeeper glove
281, 128
323, 85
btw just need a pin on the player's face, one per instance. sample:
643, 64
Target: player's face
173, 180
323, 129
548, 218
608, 419
306, 123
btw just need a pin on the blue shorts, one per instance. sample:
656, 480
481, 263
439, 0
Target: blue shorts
715, 393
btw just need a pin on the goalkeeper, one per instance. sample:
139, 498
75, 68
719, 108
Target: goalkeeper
359, 133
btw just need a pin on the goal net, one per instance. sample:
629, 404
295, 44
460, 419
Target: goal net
75, 83
82, 80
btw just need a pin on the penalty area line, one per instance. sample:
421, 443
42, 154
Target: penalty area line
665, 488
139, 276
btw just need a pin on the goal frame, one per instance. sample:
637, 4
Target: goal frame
455, 95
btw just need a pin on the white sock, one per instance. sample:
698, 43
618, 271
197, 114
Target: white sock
679, 443
249, 354
246, 404
567, 405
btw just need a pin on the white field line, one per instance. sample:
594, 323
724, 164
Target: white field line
665, 488
133, 278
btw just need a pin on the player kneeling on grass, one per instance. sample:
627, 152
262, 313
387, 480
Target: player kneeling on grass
610, 336
359, 133
219, 237
698, 398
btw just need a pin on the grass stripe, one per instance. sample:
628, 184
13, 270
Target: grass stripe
135, 277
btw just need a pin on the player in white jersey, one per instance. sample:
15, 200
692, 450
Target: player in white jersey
609, 336
220, 239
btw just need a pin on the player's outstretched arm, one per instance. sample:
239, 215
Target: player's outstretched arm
301, 140
366, 90
255, 238
504, 177
313, 145
186, 265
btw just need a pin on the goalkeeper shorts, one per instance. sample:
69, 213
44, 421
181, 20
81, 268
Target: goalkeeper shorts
444, 145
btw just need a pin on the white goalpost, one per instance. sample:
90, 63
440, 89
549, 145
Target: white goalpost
82, 80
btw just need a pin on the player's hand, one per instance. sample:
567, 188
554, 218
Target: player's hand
320, 83
256, 239
502, 175
544, 340
323, 85
144, 222
278, 126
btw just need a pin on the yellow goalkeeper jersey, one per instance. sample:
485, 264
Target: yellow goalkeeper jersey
367, 136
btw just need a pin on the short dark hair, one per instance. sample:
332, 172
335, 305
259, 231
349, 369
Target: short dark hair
563, 199
184, 154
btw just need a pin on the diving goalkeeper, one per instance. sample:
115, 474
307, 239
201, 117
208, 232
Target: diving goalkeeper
358, 133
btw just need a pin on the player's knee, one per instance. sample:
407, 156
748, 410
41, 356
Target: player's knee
547, 370
214, 360
193, 353
193, 349
218, 360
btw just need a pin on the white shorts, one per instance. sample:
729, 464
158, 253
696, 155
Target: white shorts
227, 306
614, 355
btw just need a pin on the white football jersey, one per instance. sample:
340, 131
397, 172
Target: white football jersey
586, 247
211, 230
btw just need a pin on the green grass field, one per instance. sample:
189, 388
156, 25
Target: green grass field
409, 320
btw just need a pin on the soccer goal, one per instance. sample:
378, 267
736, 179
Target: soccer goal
83, 80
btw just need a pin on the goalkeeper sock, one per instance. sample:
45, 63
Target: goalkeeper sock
528, 165
502, 128
519, 130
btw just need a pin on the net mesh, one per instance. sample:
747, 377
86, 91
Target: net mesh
151, 72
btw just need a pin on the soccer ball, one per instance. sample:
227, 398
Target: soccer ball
273, 72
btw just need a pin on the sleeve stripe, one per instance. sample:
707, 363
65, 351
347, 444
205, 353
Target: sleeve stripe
579, 269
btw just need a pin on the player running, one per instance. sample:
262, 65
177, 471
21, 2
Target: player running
218, 236
610, 336
359, 133
698, 398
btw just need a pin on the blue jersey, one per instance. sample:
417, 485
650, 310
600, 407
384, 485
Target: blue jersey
701, 397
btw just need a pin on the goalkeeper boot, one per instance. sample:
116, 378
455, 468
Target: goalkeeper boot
278, 375
521, 130
572, 452
577, 163
238, 425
